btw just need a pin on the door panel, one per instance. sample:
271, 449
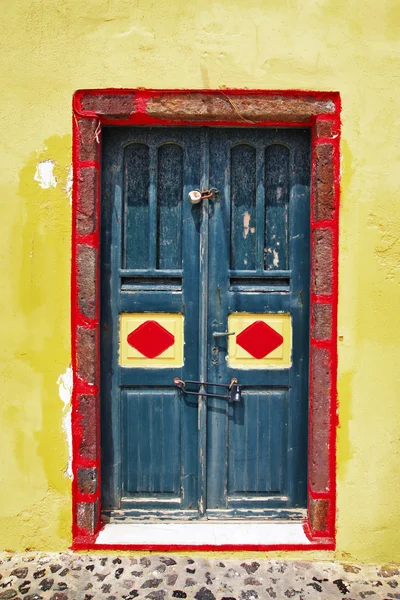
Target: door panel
149, 432
239, 259
151, 454
257, 444
265, 201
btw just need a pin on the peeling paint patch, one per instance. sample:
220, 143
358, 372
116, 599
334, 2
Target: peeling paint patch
246, 224
44, 174
69, 183
64, 383
276, 259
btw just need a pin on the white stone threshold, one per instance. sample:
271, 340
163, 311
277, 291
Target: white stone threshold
208, 533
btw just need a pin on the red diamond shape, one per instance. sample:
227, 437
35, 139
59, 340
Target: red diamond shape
150, 339
259, 339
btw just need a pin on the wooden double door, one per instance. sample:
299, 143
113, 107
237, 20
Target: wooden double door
204, 322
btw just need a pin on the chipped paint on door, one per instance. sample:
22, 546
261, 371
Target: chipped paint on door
194, 297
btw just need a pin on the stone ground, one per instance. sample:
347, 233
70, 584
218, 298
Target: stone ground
84, 577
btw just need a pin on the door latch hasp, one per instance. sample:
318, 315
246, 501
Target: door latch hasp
235, 390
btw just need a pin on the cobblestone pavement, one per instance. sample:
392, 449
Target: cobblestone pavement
84, 577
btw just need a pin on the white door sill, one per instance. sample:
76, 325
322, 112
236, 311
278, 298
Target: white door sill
203, 534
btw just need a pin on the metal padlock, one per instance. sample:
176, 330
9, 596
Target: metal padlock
195, 196
236, 393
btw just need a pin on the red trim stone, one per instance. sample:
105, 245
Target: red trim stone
322, 261
325, 128
322, 321
224, 107
87, 182
86, 354
88, 423
86, 280
88, 146
115, 107
87, 480
86, 516
320, 419
324, 183
319, 510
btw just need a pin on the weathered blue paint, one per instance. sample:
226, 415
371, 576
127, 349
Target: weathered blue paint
277, 185
135, 284
151, 427
245, 250
136, 230
203, 323
257, 432
284, 483
169, 207
243, 207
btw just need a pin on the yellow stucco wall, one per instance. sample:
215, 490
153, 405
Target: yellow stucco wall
51, 48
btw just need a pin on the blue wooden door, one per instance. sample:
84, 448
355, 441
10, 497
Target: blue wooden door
204, 292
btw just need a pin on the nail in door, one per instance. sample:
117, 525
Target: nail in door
212, 291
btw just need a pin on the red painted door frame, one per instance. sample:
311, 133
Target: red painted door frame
319, 110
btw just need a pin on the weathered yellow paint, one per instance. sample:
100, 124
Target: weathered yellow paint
281, 357
171, 357
48, 50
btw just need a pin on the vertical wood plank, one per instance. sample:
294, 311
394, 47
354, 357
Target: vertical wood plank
260, 201
153, 167
263, 436
277, 450
252, 430
236, 468
203, 324
243, 210
169, 206
191, 141
136, 210
156, 435
173, 437
299, 262
277, 207
145, 442
132, 433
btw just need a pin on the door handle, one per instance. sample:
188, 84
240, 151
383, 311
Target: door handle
218, 334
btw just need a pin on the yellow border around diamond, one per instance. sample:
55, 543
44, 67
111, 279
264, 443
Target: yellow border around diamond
171, 357
281, 358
